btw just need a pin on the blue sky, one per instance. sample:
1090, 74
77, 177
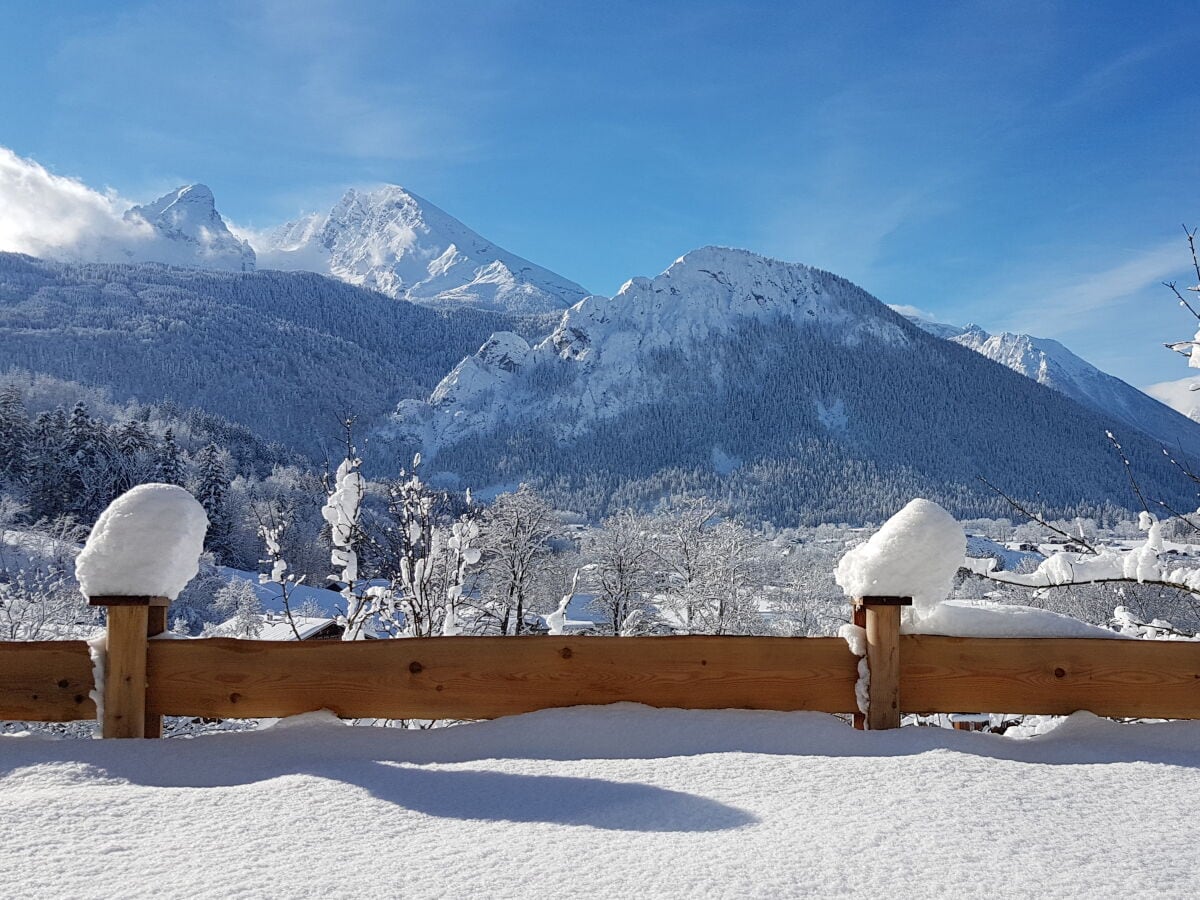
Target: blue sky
1022, 165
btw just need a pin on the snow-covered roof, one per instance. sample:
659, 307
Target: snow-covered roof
277, 628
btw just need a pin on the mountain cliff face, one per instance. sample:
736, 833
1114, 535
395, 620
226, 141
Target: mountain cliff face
788, 390
189, 231
1050, 363
394, 242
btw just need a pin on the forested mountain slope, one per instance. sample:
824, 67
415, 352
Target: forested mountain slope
1050, 363
285, 354
787, 390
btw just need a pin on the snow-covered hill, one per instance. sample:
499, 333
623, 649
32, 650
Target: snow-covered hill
392, 241
787, 389
190, 231
1050, 363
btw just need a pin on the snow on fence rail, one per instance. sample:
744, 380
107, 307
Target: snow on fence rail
486, 677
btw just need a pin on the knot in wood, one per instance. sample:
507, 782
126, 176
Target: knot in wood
1060, 673
565, 653
415, 667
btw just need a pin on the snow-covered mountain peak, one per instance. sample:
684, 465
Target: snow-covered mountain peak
190, 197
391, 240
713, 290
612, 354
505, 351
190, 231
384, 237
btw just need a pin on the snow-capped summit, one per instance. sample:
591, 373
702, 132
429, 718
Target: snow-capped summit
711, 290
189, 231
610, 355
1048, 362
393, 241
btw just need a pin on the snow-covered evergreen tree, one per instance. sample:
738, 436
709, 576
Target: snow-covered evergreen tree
168, 466
212, 488
14, 435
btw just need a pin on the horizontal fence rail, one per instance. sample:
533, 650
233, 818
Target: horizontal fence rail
46, 681
1050, 676
488, 677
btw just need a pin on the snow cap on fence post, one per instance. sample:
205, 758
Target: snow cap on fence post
147, 543
916, 553
142, 551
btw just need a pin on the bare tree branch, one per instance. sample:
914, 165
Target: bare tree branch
1034, 517
1137, 490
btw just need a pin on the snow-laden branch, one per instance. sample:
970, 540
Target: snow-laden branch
1141, 565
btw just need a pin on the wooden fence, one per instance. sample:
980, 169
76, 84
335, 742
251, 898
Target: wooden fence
487, 677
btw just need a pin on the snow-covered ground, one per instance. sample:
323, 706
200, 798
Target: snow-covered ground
618, 801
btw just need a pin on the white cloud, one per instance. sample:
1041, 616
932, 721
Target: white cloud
47, 215
914, 312
1182, 396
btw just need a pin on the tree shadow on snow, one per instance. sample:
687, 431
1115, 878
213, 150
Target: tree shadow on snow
395, 764
507, 797
479, 795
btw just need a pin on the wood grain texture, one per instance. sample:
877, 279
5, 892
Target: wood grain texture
482, 678
45, 681
1050, 676
125, 673
883, 658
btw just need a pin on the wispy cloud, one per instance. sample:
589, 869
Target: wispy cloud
52, 216
914, 312
329, 78
1065, 301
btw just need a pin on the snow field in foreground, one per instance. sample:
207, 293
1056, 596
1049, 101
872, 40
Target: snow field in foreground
606, 801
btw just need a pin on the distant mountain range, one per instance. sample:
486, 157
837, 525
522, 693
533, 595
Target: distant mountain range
786, 390
385, 239
287, 354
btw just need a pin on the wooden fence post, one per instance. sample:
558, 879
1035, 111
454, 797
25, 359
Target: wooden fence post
883, 658
130, 622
